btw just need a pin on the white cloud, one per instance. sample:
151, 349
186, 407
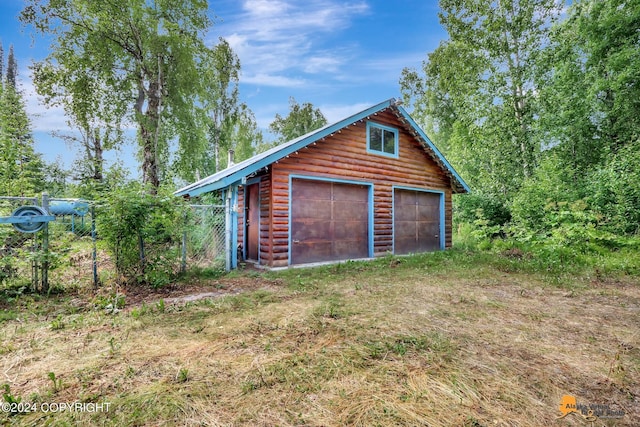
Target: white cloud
335, 113
43, 118
282, 38
264, 79
322, 64
266, 7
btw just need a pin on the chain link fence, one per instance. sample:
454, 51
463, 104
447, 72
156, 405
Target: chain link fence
203, 243
69, 253
73, 244
19, 267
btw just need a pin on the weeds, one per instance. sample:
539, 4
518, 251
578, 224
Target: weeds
13, 404
160, 307
8, 396
111, 304
57, 323
56, 383
182, 376
114, 346
433, 346
455, 338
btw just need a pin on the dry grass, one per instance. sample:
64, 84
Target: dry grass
397, 343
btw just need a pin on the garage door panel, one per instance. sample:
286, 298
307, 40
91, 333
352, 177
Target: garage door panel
332, 226
428, 228
404, 245
427, 199
318, 251
310, 190
310, 229
416, 221
345, 192
405, 197
427, 213
405, 229
349, 249
312, 209
429, 236
406, 213
350, 211
350, 230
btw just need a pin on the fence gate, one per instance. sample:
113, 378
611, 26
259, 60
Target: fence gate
63, 251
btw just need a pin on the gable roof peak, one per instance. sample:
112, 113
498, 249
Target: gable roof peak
235, 174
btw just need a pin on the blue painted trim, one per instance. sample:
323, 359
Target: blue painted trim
434, 148
341, 181
443, 219
234, 228
27, 219
224, 183
255, 180
235, 173
393, 155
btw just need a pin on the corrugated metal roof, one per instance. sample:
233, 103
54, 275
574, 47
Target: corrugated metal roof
234, 174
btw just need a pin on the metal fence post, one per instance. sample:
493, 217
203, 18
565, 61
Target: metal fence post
183, 263
94, 253
227, 231
45, 247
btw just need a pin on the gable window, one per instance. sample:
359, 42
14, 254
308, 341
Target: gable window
382, 139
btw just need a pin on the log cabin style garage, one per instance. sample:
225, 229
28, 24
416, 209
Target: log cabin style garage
366, 186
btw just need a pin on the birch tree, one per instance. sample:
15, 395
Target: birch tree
149, 52
302, 118
478, 91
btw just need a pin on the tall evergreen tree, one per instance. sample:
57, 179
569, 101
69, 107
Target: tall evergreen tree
12, 68
21, 168
1, 60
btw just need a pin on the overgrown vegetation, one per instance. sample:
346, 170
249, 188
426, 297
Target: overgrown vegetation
144, 234
537, 110
539, 298
463, 337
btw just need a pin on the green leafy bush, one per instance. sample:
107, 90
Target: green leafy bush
143, 233
615, 191
476, 207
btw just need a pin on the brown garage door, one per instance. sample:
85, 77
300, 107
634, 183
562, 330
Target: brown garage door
416, 223
329, 221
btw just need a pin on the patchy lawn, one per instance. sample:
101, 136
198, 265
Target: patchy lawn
447, 339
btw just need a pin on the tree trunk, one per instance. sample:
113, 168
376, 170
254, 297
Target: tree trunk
149, 128
98, 161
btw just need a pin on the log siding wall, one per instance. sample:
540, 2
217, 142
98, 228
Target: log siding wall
344, 156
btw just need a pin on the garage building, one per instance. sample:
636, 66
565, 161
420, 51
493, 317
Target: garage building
366, 186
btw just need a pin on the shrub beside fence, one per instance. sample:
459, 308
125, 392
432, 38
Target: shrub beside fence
140, 240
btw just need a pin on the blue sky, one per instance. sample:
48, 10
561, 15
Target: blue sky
341, 56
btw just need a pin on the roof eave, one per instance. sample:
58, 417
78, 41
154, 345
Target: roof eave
458, 184
236, 173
